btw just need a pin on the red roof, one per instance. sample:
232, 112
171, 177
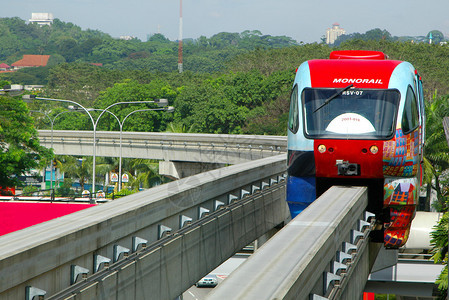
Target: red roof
19, 215
4, 66
32, 61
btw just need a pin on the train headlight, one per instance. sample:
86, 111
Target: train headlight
374, 149
321, 148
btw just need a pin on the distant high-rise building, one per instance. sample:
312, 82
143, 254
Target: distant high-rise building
333, 33
42, 18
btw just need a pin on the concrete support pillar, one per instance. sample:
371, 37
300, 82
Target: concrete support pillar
178, 169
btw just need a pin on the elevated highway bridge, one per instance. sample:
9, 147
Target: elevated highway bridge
157, 243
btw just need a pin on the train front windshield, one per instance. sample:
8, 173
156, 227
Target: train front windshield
350, 113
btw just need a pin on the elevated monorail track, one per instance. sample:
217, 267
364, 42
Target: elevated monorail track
155, 249
323, 253
192, 147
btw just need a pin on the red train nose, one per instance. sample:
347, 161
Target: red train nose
340, 158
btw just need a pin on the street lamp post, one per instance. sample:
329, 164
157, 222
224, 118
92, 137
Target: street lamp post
31, 97
159, 102
52, 122
166, 108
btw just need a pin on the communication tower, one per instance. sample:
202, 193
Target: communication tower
180, 38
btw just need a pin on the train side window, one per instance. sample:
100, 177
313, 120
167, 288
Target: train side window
293, 118
422, 110
410, 116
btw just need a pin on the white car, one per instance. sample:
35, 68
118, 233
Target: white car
209, 280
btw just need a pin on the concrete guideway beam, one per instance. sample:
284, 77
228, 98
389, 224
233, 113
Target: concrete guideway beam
45, 252
169, 267
178, 169
294, 263
206, 148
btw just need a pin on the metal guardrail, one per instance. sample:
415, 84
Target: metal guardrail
53, 199
168, 138
212, 148
48, 195
314, 257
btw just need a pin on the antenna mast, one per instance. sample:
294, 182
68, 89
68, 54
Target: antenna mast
180, 38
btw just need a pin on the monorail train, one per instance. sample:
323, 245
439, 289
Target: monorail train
357, 119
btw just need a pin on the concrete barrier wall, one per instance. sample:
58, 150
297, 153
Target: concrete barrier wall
41, 256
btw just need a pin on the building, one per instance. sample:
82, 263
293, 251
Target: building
42, 18
4, 67
333, 33
31, 61
127, 37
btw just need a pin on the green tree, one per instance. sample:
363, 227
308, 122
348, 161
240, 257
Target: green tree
371, 35
270, 118
208, 109
9, 43
439, 242
377, 35
76, 168
146, 173
436, 148
113, 50
129, 91
68, 48
20, 151
272, 60
103, 166
25, 76
437, 36
89, 45
66, 189
55, 59
178, 128
80, 82
436, 164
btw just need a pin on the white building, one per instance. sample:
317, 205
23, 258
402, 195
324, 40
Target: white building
127, 37
333, 33
42, 18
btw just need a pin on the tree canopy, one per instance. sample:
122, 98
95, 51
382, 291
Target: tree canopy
67, 42
20, 151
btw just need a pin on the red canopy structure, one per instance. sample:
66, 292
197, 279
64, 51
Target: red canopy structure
19, 215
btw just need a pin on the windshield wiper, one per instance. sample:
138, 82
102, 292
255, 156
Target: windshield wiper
333, 97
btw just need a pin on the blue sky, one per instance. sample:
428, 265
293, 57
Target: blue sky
302, 20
